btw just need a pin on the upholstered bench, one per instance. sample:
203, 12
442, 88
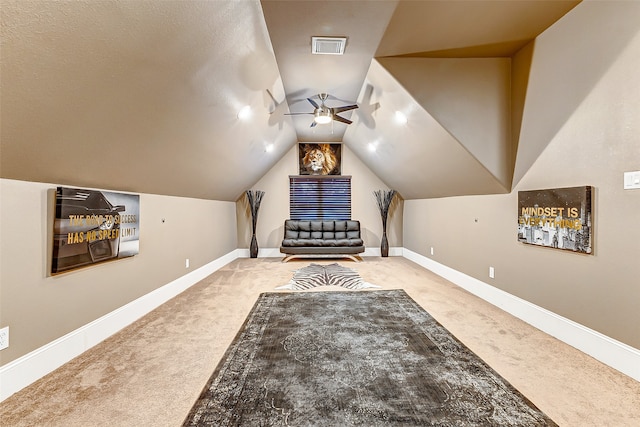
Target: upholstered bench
321, 239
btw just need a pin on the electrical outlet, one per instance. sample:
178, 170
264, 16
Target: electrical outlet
186, 263
4, 338
492, 273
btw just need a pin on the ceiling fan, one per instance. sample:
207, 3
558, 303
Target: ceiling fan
323, 114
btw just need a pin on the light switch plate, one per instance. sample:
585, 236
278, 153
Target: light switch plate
4, 338
631, 180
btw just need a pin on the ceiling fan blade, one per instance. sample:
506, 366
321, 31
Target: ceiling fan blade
341, 119
344, 108
315, 105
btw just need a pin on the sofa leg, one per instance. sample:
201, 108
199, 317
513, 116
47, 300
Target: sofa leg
351, 257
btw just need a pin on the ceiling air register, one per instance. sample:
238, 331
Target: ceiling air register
328, 45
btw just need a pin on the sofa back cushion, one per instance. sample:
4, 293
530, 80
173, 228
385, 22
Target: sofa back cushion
305, 229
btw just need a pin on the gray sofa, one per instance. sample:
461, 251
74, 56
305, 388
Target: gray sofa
321, 238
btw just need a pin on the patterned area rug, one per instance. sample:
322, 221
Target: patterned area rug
354, 359
326, 275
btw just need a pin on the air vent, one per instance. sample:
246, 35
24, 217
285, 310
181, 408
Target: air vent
328, 45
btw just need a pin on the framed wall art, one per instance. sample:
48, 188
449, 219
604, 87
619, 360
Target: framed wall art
560, 218
92, 226
320, 159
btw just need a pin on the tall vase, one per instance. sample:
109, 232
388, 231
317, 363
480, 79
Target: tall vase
253, 249
384, 244
383, 200
254, 197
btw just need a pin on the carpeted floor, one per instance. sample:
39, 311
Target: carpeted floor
152, 372
329, 359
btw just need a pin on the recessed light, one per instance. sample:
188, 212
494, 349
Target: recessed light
245, 112
401, 118
372, 147
269, 148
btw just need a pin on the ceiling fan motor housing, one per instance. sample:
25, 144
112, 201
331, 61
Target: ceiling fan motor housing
323, 115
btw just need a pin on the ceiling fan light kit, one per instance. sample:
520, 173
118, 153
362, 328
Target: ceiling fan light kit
323, 115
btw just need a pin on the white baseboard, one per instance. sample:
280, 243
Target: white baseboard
275, 252
609, 351
16, 375
23, 371
262, 253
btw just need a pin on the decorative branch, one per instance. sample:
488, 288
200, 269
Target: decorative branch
254, 197
384, 199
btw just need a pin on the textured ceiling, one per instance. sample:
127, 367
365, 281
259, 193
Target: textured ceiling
144, 96
304, 74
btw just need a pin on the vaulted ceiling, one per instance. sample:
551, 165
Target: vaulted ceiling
144, 96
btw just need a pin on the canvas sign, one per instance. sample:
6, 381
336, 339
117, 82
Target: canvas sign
92, 226
559, 218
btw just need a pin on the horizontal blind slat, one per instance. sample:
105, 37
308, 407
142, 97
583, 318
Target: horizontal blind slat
320, 198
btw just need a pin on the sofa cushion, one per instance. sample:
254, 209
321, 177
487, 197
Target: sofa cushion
319, 235
353, 229
305, 229
322, 250
322, 242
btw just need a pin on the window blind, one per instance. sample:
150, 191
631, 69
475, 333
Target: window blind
323, 197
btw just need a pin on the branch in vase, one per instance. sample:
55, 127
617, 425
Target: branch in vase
383, 199
254, 197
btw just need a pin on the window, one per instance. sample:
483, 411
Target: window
323, 197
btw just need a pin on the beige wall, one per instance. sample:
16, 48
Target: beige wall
39, 308
275, 204
470, 99
591, 137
